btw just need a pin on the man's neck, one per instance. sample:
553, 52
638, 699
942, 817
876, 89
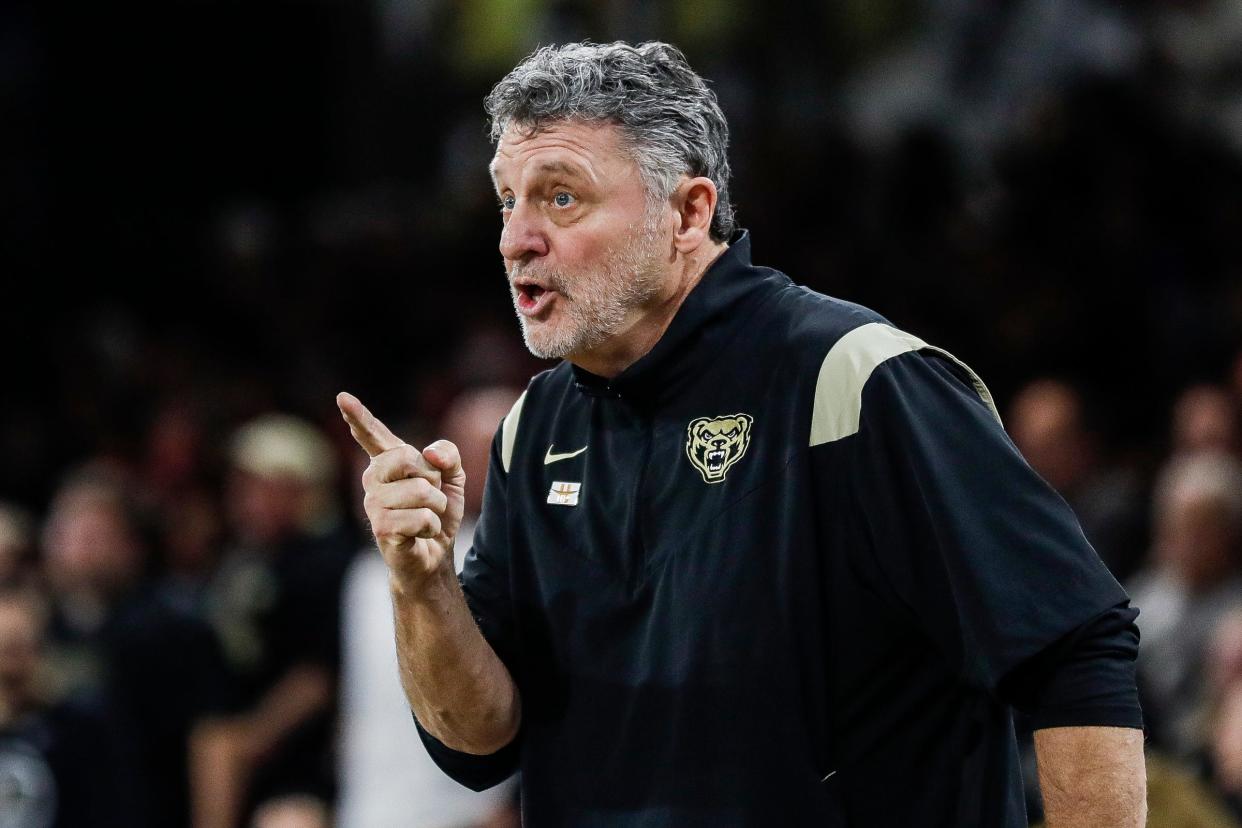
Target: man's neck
640, 334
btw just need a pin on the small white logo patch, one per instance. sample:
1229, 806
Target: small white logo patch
564, 494
552, 458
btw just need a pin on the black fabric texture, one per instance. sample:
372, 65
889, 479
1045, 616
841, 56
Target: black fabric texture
1087, 678
476, 772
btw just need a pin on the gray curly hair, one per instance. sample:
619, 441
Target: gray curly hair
670, 121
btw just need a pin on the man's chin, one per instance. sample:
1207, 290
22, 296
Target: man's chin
547, 340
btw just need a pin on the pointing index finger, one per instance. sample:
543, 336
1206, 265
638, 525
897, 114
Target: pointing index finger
371, 434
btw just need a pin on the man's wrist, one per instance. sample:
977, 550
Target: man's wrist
424, 587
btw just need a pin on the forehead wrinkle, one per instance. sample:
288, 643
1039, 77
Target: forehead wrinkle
562, 167
588, 159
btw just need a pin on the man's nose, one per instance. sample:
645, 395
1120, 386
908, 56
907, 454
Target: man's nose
523, 235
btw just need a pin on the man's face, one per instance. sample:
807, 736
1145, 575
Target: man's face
90, 543
1195, 537
265, 510
584, 250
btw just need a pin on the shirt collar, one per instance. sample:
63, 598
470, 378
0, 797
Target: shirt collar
703, 318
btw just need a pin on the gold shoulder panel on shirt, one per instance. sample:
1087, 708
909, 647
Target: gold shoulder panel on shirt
508, 432
847, 367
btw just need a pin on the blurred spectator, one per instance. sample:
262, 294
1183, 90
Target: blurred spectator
387, 778
1048, 424
118, 639
16, 546
470, 422
1205, 418
173, 446
977, 67
1224, 653
189, 523
291, 812
190, 529
1201, 41
1190, 585
61, 765
275, 601
1224, 674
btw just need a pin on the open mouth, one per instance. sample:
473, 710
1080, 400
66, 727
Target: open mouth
715, 459
532, 299
529, 294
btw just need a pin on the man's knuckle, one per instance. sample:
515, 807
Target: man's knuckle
381, 525
428, 519
429, 523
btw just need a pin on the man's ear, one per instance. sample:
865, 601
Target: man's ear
695, 202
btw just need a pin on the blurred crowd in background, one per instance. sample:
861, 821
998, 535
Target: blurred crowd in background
216, 215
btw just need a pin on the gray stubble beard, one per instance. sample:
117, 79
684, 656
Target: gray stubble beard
600, 300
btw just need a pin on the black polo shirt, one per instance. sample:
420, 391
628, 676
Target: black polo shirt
777, 572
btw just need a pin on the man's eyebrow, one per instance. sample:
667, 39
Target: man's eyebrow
562, 167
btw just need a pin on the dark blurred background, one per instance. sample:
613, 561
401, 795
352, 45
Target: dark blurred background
215, 215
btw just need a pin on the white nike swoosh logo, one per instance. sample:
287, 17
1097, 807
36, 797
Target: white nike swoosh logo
552, 458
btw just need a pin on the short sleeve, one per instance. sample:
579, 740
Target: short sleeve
478, 773
989, 560
1085, 679
485, 582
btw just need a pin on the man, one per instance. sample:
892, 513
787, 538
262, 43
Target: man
749, 555
1191, 584
16, 546
63, 762
151, 668
275, 601
1049, 424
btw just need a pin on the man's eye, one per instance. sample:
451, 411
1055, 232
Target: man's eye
562, 199
506, 202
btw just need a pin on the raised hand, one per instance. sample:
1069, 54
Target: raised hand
414, 499
455, 683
